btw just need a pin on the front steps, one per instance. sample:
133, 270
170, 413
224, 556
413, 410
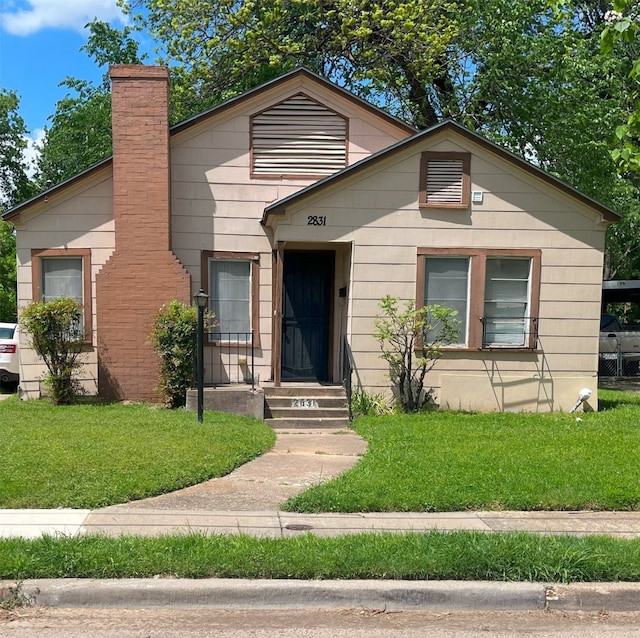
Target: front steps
306, 406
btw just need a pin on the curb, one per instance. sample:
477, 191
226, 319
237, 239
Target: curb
219, 593
282, 594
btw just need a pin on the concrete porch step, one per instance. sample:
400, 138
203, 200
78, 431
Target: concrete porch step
305, 406
313, 423
303, 390
307, 402
288, 412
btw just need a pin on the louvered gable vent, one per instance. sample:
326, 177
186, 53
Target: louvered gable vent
298, 137
444, 181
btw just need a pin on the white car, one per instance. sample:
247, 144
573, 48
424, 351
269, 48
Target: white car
9, 349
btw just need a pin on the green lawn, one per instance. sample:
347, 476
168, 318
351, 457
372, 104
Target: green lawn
448, 461
428, 556
92, 455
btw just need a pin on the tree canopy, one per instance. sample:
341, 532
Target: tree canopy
15, 186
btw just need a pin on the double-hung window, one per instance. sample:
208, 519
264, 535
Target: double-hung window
446, 283
495, 293
233, 287
58, 273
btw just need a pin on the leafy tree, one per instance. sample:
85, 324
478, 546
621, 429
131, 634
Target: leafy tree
621, 39
80, 132
15, 186
411, 341
54, 328
8, 305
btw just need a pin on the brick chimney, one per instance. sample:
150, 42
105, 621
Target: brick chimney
142, 273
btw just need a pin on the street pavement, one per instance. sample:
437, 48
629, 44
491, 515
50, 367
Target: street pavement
246, 502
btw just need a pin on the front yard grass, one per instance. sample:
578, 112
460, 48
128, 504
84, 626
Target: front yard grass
93, 455
427, 556
450, 461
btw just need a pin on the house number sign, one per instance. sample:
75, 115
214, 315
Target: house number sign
304, 403
316, 220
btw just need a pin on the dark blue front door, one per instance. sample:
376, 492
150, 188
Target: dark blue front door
306, 315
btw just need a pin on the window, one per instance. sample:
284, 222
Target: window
495, 293
506, 301
446, 282
60, 272
298, 137
445, 180
232, 283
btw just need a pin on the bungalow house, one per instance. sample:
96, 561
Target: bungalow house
296, 207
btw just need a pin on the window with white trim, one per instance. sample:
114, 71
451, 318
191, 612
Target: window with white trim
494, 292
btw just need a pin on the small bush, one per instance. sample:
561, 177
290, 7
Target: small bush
173, 338
365, 403
56, 335
411, 340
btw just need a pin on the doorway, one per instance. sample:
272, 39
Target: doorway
306, 315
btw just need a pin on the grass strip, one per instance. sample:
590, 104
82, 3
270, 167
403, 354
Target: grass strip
452, 461
93, 455
433, 555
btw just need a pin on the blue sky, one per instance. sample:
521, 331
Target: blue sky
40, 43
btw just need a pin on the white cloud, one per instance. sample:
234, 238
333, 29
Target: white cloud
24, 18
32, 152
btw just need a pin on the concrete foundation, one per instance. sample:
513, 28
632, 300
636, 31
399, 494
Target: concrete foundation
234, 399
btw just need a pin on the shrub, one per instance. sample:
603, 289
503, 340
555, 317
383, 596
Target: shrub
365, 403
173, 337
411, 341
56, 335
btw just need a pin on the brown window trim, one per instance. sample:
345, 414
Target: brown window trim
466, 180
478, 257
254, 258
36, 280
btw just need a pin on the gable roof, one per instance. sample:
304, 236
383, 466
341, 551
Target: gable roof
301, 72
279, 207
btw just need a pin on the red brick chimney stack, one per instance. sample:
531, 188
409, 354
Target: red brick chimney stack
142, 273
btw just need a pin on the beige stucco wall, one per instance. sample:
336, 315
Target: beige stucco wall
377, 211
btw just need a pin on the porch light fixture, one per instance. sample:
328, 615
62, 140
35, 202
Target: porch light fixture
201, 299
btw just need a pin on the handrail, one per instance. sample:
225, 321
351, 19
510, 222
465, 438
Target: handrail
348, 366
229, 358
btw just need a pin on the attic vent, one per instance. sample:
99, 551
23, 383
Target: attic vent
445, 180
298, 137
